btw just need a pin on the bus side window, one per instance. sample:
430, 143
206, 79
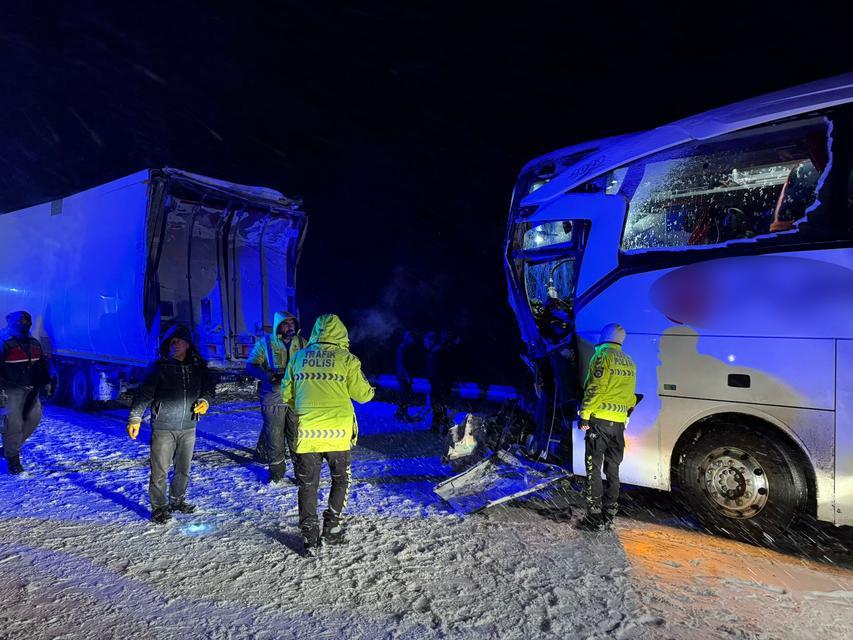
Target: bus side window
744, 185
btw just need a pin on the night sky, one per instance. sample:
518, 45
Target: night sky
402, 125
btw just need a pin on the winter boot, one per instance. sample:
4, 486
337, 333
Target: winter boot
609, 515
160, 515
311, 545
276, 478
333, 534
182, 506
15, 466
592, 522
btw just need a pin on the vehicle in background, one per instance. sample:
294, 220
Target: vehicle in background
107, 271
723, 243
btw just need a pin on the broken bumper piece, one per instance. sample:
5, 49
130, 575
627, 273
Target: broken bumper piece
501, 477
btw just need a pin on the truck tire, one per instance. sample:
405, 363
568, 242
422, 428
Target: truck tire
58, 384
742, 483
80, 388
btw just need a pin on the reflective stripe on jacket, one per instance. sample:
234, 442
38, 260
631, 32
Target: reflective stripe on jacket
23, 363
608, 392
320, 383
259, 364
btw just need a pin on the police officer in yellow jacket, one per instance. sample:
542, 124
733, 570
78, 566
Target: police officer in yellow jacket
608, 398
320, 383
268, 362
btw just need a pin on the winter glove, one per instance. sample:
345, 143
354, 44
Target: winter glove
133, 427
354, 440
200, 407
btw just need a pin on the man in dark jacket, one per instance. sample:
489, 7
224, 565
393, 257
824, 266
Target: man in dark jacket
179, 389
23, 371
267, 362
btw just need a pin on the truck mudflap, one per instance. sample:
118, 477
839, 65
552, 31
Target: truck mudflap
503, 476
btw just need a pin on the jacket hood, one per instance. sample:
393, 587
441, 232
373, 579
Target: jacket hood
278, 318
15, 316
329, 328
177, 331
281, 316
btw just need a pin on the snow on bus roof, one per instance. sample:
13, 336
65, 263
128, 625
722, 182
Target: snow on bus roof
615, 152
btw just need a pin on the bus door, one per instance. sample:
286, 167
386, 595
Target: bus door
547, 258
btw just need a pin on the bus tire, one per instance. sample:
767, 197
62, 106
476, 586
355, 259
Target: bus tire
742, 483
80, 388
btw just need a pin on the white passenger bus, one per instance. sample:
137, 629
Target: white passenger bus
724, 245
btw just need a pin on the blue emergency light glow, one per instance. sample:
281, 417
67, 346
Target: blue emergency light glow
197, 529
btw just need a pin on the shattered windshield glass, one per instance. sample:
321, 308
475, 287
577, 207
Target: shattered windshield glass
547, 234
550, 291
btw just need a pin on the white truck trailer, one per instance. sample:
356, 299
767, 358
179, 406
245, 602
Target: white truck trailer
107, 271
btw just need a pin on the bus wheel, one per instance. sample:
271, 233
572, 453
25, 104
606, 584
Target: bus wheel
80, 388
741, 483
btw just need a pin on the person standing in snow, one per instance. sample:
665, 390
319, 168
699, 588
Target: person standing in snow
23, 372
404, 365
608, 398
439, 366
179, 389
267, 362
320, 383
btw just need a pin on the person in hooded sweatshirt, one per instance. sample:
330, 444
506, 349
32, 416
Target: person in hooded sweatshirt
23, 372
320, 383
267, 362
179, 389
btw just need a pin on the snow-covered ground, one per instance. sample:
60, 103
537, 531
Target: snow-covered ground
78, 558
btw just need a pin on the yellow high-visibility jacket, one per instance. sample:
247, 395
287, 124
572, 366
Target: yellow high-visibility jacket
320, 383
280, 351
608, 392
271, 353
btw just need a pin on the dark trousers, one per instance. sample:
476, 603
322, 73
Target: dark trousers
405, 397
605, 443
23, 414
440, 396
168, 448
277, 434
308, 466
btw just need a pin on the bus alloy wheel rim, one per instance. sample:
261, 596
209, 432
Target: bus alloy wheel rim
734, 482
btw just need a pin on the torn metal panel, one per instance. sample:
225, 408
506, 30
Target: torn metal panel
502, 477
